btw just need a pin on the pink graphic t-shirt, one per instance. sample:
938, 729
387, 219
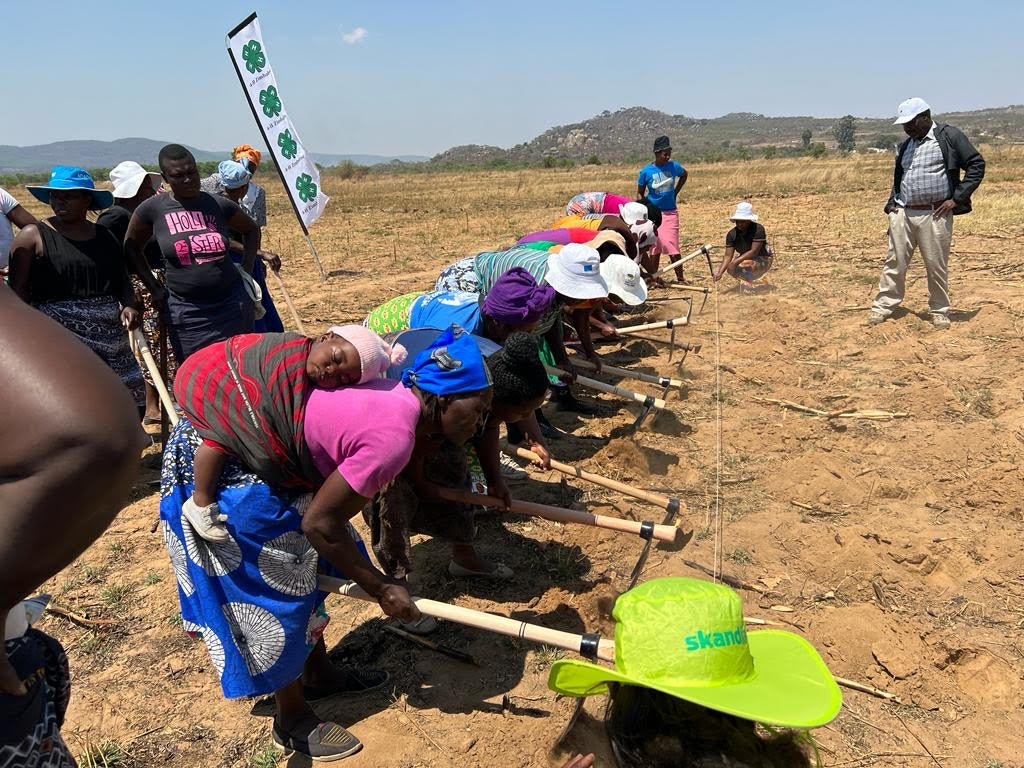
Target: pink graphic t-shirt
193, 240
366, 433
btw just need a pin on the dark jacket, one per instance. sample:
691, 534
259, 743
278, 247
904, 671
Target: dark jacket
959, 155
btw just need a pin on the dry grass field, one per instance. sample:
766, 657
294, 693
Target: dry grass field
894, 546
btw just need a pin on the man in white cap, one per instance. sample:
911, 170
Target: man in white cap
927, 192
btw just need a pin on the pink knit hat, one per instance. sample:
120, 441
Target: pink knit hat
375, 357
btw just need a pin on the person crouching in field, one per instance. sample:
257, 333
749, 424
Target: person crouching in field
927, 192
747, 256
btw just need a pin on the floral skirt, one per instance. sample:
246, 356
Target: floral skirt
460, 276
96, 321
252, 599
30, 724
151, 322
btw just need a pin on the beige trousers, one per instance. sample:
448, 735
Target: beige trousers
910, 230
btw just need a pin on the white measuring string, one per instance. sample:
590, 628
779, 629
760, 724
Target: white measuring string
717, 569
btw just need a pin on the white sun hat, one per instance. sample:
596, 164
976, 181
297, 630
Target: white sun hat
910, 109
575, 271
631, 213
128, 176
744, 212
623, 278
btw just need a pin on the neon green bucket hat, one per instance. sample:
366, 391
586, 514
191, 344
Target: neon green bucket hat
687, 638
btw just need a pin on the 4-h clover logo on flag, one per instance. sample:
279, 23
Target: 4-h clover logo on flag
255, 59
305, 187
270, 101
289, 147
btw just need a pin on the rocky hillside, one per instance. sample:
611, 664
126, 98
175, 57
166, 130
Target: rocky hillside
626, 135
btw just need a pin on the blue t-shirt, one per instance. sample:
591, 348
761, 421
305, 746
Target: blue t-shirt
660, 183
441, 309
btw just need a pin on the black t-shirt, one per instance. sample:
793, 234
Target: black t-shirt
116, 219
193, 240
743, 241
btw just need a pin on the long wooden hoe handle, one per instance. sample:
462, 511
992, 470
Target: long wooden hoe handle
646, 529
611, 389
626, 373
586, 644
591, 645
680, 262
139, 340
288, 300
669, 504
654, 326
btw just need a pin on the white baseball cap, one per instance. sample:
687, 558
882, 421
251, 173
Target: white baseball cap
575, 271
631, 213
910, 109
623, 278
128, 176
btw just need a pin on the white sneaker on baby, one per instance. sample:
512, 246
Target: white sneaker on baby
206, 521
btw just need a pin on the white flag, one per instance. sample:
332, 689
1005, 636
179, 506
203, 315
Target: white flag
299, 172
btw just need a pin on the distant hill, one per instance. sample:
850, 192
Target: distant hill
106, 154
626, 135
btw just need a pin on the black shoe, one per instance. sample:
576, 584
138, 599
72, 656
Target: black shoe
321, 742
567, 401
549, 430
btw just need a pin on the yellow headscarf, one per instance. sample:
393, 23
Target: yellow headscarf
250, 153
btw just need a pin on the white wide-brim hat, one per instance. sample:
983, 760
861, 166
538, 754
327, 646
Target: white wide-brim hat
744, 212
575, 272
909, 109
128, 176
623, 278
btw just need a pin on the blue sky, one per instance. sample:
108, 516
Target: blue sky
423, 76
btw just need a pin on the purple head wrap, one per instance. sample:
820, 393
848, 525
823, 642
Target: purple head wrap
517, 299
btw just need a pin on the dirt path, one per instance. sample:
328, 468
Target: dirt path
894, 546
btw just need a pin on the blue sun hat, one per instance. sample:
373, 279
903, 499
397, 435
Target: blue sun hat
71, 177
451, 365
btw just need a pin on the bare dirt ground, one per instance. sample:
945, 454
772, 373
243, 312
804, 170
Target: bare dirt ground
894, 546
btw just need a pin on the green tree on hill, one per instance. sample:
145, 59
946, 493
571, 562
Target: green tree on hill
844, 132
805, 137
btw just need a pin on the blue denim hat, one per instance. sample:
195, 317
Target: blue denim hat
72, 177
233, 174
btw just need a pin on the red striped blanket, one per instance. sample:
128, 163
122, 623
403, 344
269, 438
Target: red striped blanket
248, 395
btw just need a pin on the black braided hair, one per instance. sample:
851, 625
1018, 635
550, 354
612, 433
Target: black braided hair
653, 212
517, 370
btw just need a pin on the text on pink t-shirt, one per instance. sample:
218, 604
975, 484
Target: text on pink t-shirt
366, 432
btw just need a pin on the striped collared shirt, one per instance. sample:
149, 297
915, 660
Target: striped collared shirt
924, 172
490, 265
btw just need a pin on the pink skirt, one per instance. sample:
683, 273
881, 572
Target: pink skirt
668, 234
